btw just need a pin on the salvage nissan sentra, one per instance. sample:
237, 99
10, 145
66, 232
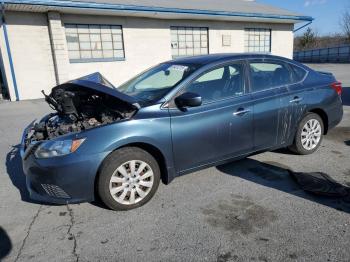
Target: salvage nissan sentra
175, 118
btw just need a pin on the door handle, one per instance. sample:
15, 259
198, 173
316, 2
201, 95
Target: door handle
296, 99
241, 112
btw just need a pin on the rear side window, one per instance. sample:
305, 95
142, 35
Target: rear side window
298, 73
266, 75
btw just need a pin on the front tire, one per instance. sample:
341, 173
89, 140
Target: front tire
309, 135
129, 178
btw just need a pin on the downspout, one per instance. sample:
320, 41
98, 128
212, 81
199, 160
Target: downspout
8, 49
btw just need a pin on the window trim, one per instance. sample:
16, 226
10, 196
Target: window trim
305, 75
170, 104
272, 60
188, 26
93, 60
246, 29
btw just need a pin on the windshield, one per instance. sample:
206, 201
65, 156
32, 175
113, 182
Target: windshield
153, 84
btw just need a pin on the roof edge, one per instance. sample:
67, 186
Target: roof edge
136, 8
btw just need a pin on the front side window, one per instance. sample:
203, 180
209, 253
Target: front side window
266, 75
257, 40
94, 42
220, 83
189, 41
155, 83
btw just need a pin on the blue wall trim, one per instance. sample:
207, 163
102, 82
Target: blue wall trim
8, 49
301, 27
120, 7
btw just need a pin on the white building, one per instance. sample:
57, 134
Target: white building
47, 42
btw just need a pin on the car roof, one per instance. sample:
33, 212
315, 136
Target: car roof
213, 58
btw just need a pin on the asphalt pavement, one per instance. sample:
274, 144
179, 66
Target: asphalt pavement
249, 210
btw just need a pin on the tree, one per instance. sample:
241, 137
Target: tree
345, 23
308, 39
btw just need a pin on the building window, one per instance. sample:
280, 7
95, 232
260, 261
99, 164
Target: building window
257, 40
93, 43
189, 41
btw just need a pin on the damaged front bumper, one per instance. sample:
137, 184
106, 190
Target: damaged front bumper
24, 139
59, 180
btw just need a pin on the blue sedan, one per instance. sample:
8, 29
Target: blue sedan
118, 143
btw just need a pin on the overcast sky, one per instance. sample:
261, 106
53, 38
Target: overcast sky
326, 12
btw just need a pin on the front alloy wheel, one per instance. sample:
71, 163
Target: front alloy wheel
129, 177
131, 182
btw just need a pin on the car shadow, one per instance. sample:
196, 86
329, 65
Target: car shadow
282, 178
346, 96
284, 151
15, 171
5, 244
98, 203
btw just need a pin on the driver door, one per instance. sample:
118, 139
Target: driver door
219, 128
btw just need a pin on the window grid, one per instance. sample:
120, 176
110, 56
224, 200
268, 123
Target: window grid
93, 43
189, 41
257, 40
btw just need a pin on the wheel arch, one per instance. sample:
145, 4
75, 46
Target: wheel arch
156, 153
149, 148
320, 112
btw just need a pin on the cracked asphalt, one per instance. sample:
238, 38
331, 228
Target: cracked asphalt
250, 210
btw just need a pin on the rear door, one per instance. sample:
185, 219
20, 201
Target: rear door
218, 129
269, 80
292, 104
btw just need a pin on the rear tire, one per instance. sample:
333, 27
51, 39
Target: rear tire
129, 178
309, 135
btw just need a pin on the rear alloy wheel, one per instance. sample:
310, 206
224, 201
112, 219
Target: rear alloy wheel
309, 135
129, 178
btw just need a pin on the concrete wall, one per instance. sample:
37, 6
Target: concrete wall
30, 45
146, 43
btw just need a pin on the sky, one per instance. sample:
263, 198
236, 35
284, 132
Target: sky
326, 13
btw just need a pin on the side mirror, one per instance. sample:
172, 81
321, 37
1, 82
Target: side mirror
188, 100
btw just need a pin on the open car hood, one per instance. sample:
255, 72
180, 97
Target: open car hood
82, 104
99, 83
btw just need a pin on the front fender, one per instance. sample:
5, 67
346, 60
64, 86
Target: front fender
154, 132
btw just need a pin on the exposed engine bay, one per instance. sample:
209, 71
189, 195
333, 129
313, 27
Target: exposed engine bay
79, 108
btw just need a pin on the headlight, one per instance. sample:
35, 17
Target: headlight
58, 148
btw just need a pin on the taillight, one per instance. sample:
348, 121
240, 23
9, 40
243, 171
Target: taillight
337, 87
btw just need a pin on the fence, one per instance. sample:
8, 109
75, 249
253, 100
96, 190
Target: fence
339, 54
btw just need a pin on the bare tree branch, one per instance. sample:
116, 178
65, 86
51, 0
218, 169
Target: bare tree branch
345, 24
